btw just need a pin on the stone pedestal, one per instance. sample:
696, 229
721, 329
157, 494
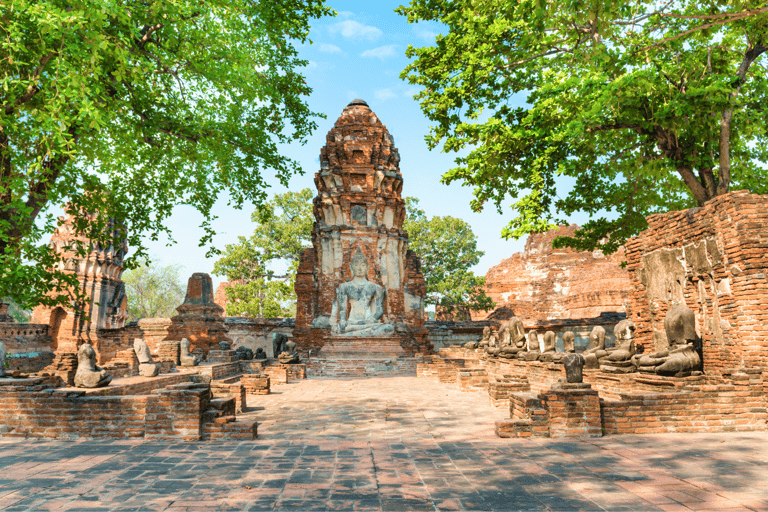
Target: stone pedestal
222, 356
574, 410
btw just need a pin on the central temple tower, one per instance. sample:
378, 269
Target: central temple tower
359, 283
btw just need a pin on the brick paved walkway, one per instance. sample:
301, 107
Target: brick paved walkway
387, 444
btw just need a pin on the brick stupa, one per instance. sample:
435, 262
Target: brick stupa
359, 214
199, 320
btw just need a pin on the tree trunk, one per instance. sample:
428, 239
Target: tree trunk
724, 174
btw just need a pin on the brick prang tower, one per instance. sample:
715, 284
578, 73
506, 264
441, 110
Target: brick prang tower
359, 207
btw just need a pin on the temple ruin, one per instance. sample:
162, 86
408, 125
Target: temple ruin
360, 290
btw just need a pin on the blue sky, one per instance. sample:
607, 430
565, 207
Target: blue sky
358, 54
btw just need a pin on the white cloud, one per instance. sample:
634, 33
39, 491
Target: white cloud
329, 48
382, 52
384, 94
426, 35
411, 92
350, 29
346, 14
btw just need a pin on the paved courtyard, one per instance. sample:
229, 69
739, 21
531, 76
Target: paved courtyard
387, 444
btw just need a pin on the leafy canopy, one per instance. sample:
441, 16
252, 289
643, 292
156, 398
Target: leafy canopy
283, 229
153, 290
631, 108
448, 249
130, 108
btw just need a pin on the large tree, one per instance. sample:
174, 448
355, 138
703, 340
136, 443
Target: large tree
153, 290
126, 109
628, 108
448, 249
283, 229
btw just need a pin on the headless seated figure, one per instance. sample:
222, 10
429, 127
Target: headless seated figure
366, 303
569, 342
185, 358
483, 342
491, 345
511, 338
549, 348
681, 357
89, 375
146, 367
532, 347
290, 355
619, 358
596, 348
278, 343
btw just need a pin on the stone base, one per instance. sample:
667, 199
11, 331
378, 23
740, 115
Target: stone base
148, 370
617, 367
360, 365
222, 356
361, 345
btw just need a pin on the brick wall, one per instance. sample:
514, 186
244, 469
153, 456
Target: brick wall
713, 259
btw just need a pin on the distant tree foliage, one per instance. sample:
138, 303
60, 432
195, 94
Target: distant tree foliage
644, 107
448, 249
19, 315
283, 229
128, 109
153, 290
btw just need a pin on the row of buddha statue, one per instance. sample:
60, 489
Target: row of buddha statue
680, 358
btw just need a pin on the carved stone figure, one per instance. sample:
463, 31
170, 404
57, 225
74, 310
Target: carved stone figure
491, 346
549, 348
681, 357
290, 355
185, 358
225, 345
89, 375
596, 348
619, 358
278, 343
511, 338
488, 338
365, 300
574, 364
569, 339
2, 359
532, 347
260, 354
244, 353
146, 367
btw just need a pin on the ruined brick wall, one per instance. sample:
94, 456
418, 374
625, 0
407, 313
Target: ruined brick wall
100, 275
714, 260
177, 411
543, 283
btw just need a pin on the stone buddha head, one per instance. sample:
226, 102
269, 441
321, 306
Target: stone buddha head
359, 264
